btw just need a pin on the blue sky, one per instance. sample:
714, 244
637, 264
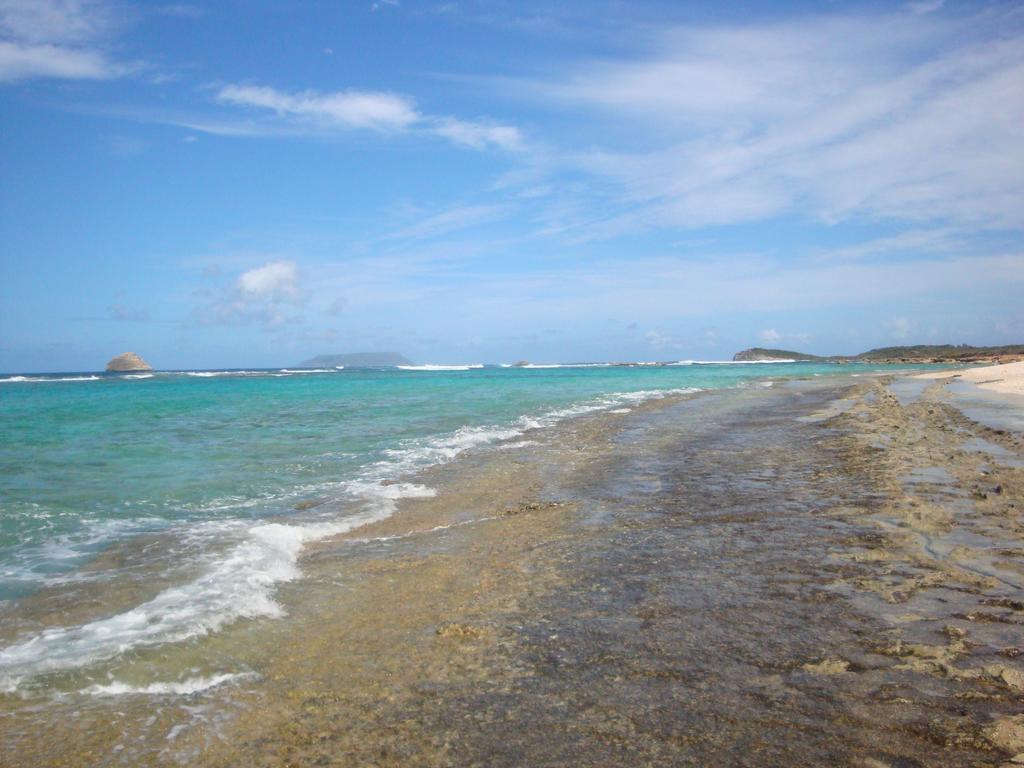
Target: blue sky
245, 183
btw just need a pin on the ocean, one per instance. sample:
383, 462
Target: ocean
200, 489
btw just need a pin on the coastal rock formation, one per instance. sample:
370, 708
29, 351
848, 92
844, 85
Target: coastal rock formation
129, 361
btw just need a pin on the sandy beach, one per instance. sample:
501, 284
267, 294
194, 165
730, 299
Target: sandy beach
811, 573
1007, 378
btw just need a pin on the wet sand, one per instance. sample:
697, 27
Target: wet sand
816, 573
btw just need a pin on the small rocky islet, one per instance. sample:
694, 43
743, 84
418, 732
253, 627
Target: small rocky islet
127, 362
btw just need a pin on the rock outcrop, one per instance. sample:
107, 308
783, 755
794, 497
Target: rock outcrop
129, 361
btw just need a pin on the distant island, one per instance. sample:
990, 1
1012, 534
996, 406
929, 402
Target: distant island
920, 353
760, 355
356, 360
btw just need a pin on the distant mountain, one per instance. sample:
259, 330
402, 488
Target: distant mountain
759, 354
356, 360
920, 353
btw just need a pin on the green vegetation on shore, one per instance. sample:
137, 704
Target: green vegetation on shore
919, 352
941, 351
760, 353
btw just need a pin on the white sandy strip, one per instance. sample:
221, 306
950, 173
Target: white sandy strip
1007, 378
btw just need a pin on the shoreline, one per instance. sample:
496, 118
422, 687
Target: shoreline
1005, 378
772, 555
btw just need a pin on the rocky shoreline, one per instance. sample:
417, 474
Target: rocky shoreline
819, 572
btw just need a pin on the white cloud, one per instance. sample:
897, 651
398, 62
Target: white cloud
966, 298
770, 336
276, 281
55, 21
372, 110
478, 135
657, 289
353, 109
878, 117
55, 39
909, 242
22, 62
261, 295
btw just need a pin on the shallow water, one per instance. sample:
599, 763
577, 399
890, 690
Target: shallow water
147, 508
672, 584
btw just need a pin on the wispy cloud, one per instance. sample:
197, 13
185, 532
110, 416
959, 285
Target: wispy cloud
258, 295
56, 21
60, 39
834, 117
22, 62
349, 109
670, 300
448, 221
921, 7
909, 242
380, 111
476, 134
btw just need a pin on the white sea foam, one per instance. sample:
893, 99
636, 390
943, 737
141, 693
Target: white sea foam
137, 376
42, 379
437, 367
565, 365
215, 374
730, 362
183, 687
383, 499
240, 584
51, 560
339, 367
620, 410
307, 370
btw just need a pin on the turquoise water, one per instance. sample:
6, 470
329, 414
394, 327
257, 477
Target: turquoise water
220, 461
